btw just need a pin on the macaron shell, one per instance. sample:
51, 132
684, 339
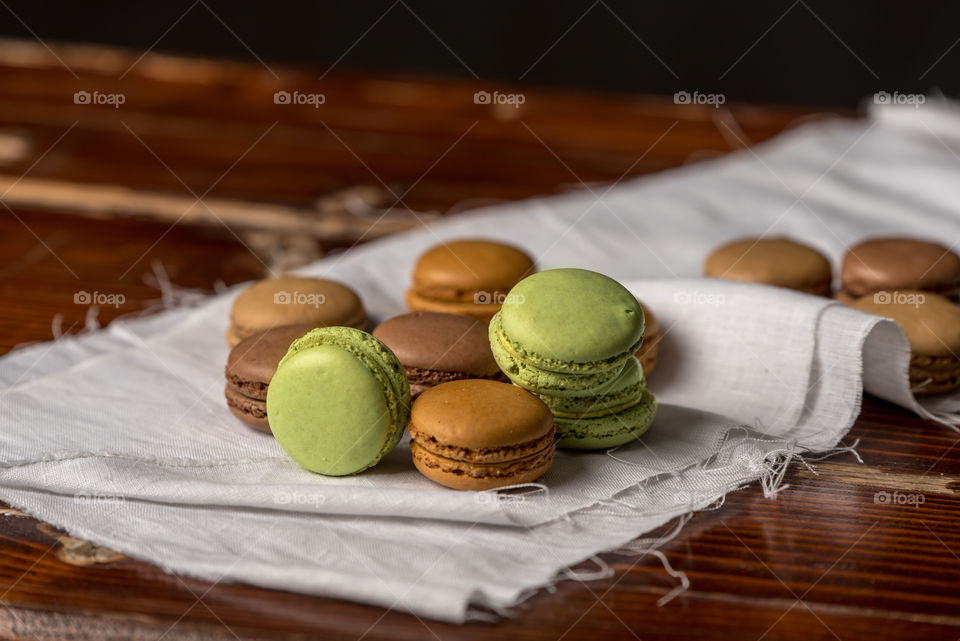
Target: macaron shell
457, 270
339, 401
291, 300
479, 415
536, 379
774, 261
459, 475
900, 263
619, 393
569, 319
607, 431
439, 342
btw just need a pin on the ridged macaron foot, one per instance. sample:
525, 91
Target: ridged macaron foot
478, 435
585, 432
339, 401
571, 321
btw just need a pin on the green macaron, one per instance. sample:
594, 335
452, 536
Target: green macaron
623, 391
571, 321
339, 401
601, 430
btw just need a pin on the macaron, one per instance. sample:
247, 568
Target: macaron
250, 367
467, 277
781, 262
608, 416
339, 401
479, 435
932, 325
570, 336
647, 354
885, 264
438, 348
293, 300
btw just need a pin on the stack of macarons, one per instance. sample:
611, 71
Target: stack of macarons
570, 337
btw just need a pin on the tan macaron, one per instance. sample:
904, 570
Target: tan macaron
932, 325
647, 354
293, 300
885, 264
478, 435
467, 277
772, 261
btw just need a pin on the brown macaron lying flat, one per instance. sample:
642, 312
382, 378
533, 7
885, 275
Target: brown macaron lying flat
437, 348
294, 300
772, 261
885, 264
250, 367
932, 325
467, 277
480, 435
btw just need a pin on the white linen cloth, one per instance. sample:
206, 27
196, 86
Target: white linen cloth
121, 436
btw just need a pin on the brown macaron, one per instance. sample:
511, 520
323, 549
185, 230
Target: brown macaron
250, 367
293, 300
480, 435
647, 354
772, 261
438, 348
885, 264
932, 325
467, 277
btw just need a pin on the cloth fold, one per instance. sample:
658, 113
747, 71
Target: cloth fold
121, 436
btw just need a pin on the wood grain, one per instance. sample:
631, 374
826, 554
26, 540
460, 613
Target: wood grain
824, 560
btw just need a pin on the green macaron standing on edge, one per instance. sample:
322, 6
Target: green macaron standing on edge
568, 336
339, 401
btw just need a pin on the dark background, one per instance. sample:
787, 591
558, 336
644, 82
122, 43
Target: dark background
810, 52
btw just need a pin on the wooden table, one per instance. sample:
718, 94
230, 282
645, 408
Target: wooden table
93, 194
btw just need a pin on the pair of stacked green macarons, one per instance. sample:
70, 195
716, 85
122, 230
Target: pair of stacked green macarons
569, 336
